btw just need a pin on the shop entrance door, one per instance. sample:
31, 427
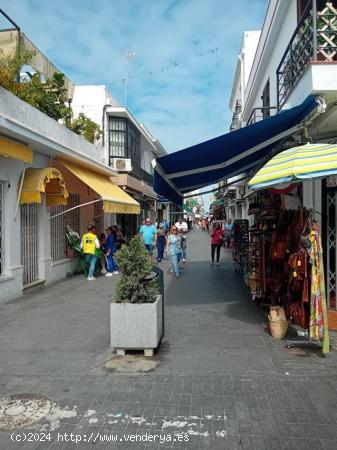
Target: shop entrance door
29, 243
331, 251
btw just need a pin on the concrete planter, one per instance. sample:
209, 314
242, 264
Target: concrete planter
136, 325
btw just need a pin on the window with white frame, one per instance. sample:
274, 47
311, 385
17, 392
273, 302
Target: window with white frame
1, 229
58, 226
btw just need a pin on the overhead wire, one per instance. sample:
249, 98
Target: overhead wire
175, 64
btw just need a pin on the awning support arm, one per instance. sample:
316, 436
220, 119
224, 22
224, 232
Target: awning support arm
19, 193
74, 207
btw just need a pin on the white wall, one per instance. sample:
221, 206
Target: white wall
41, 131
147, 157
11, 280
244, 64
280, 23
90, 100
250, 43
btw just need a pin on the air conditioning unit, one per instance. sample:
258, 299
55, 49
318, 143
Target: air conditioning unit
121, 164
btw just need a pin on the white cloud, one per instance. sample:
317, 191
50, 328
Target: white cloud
181, 107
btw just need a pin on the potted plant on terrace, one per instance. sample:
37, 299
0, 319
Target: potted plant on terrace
136, 309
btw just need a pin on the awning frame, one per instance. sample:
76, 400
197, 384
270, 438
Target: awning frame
36, 181
74, 207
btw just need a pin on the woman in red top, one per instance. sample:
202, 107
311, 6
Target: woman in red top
217, 236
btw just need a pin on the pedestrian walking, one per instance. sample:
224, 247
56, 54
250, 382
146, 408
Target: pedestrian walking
89, 244
217, 237
182, 228
173, 250
161, 242
110, 249
148, 233
228, 233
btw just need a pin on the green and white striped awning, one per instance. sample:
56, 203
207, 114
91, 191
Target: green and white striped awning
300, 163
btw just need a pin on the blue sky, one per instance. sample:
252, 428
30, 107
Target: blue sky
183, 106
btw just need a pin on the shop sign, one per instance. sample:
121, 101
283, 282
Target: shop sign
331, 181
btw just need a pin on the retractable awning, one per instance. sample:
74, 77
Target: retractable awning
48, 181
115, 200
11, 149
227, 155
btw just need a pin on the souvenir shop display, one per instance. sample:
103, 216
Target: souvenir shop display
285, 261
240, 246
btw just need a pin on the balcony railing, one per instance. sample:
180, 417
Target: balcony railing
261, 113
141, 174
235, 119
315, 39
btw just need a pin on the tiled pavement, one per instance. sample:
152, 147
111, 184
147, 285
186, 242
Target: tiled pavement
221, 380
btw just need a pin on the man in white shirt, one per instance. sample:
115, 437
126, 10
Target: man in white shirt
182, 229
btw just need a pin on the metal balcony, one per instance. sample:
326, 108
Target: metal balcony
315, 39
141, 174
261, 113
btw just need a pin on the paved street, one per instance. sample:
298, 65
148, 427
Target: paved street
220, 380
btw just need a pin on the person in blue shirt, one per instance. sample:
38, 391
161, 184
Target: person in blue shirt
148, 233
110, 249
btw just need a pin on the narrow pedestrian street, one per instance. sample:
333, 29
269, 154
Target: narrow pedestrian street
218, 377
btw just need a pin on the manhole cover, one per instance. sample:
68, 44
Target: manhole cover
22, 410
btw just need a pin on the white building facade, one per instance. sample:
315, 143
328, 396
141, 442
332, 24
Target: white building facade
128, 148
295, 57
33, 248
50, 178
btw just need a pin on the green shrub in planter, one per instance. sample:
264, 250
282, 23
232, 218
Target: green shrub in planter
136, 265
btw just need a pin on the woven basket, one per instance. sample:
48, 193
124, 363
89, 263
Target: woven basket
278, 328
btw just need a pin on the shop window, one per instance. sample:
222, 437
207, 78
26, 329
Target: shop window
58, 226
1, 230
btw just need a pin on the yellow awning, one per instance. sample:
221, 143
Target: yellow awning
11, 149
115, 200
48, 181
